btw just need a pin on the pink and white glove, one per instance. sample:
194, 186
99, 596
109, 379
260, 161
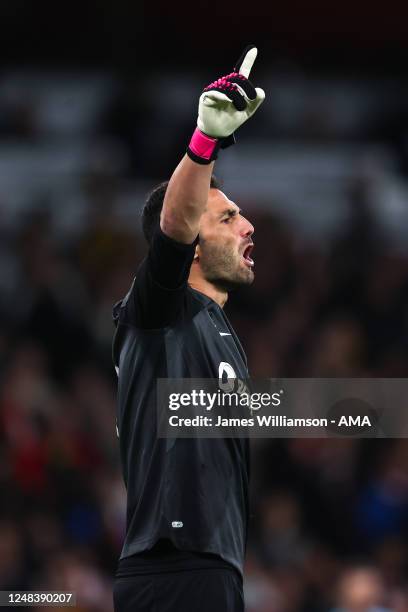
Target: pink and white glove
224, 106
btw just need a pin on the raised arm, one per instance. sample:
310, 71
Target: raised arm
223, 107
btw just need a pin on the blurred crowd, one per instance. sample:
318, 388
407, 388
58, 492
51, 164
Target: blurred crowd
329, 527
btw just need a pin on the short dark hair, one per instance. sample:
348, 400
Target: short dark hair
154, 203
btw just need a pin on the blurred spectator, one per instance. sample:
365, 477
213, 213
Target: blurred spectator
361, 589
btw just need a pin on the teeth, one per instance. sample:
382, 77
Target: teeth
249, 261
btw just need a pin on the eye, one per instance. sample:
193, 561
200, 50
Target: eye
231, 215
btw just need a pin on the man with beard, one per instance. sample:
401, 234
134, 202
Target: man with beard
187, 504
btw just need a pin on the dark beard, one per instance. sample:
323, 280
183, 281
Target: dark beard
221, 270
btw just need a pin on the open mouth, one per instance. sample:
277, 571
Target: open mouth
247, 255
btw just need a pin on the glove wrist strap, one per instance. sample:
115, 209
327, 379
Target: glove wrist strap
204, 149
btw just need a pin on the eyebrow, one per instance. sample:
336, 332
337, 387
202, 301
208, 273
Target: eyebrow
231, 212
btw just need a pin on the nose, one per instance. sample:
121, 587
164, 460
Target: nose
247, 228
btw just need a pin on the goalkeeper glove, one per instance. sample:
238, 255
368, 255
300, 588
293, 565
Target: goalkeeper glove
223, 107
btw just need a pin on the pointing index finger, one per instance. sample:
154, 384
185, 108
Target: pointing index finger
246, 61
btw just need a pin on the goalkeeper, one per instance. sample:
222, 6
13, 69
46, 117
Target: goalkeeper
187, 499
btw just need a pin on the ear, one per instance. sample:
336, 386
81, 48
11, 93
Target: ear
197, 253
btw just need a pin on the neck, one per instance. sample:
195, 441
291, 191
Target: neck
203, 286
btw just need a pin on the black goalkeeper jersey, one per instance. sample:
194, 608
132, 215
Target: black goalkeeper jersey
193, 492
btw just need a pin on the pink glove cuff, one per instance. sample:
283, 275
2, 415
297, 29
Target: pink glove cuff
203, 146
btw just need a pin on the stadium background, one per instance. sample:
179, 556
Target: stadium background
97, 102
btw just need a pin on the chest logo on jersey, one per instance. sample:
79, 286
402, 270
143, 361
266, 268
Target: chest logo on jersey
226, 376
228, 381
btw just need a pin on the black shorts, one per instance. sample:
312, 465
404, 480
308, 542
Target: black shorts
186, 583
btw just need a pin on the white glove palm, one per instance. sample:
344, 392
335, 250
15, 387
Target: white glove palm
227, 103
